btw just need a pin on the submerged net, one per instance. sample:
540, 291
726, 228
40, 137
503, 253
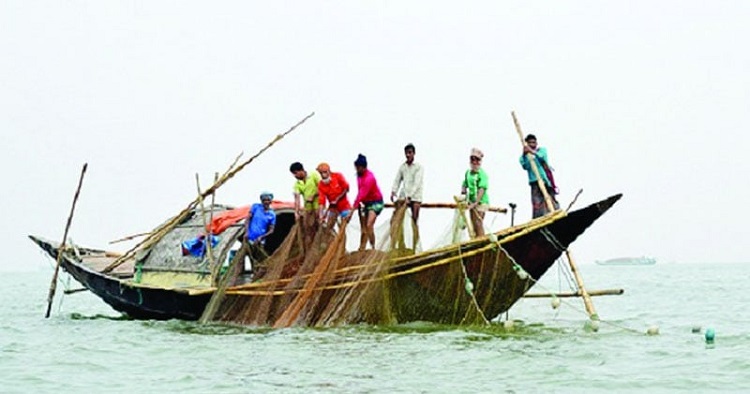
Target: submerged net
311, 279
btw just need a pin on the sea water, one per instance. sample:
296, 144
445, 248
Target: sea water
85, 346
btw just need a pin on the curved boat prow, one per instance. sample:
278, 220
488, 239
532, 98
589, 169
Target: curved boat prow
48, 246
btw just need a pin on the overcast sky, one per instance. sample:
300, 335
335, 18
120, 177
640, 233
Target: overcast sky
645, 98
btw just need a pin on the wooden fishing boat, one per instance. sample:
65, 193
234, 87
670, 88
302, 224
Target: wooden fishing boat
160, 283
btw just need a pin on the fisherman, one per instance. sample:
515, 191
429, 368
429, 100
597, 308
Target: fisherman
474, 187
306, 190
539, 206
334, 188
410, 175
261, 220
369, 201
260, 223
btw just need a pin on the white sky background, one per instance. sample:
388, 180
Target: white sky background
645, 98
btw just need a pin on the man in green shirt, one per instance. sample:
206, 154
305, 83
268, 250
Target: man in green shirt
306, 199
474, 187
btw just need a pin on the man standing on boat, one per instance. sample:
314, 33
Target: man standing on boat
332, 187
306, 200
369, 201
539, 206
410, 175
474, 187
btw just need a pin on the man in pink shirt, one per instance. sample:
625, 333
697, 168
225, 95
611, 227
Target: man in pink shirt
369, 201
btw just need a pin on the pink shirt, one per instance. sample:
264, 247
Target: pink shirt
368, 190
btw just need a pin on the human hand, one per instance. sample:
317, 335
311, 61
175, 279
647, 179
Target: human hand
393, 197
526, 149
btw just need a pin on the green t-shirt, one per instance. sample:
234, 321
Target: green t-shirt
308, 189
473, 182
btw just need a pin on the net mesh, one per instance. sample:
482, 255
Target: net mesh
311, 279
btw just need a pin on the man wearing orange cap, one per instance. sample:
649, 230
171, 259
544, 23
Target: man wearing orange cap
332, 187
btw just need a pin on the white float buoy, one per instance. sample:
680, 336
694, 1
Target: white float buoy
653, 330
492, 237
508, 324
468, 286
594, 325
555, 302
523, 275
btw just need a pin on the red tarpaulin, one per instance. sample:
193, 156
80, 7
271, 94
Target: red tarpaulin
223, 220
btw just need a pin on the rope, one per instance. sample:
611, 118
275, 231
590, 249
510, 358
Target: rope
565, 270
552, 239
469, 286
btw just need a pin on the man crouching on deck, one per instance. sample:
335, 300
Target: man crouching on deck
260, 223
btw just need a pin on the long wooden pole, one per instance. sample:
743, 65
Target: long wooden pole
158, 233
61, 250
209, 236
448, 205
592, 293
548, 200
210, 232
129, 237
532, 162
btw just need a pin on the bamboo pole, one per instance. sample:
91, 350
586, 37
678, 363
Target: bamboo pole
214, 270
592, 293
129, 237
532, 162
221, 287
209, 247
448, 205
159, 232
61, 250
548, 200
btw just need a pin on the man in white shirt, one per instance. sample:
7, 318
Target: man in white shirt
408, 183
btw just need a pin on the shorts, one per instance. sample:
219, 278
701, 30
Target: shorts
374, 206
342, 214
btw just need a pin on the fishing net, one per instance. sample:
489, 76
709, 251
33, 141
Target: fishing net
320, 283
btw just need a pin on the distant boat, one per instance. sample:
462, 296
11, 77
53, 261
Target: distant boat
628, 261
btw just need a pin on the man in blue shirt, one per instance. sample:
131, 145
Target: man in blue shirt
539, 206
260, 220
